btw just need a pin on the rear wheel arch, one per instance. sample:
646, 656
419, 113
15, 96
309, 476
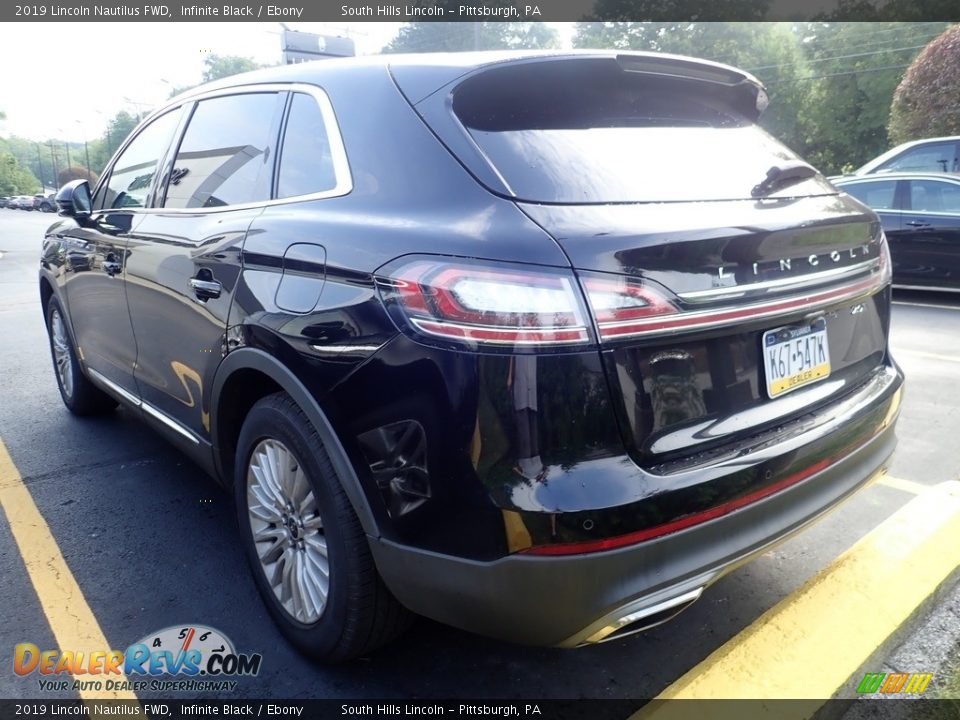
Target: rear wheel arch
244, 377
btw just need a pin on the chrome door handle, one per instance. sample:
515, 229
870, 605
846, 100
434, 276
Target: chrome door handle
206, 289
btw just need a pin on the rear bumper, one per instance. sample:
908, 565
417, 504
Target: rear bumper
571, 600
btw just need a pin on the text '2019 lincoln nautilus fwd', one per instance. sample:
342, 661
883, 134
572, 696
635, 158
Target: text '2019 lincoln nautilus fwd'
537, 345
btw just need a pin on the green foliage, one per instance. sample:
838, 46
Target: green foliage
216, 67
927, 101
75, 173
15, 179
855, 69
452, 37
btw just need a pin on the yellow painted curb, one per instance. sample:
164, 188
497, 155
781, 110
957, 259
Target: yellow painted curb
70, 617
809, 645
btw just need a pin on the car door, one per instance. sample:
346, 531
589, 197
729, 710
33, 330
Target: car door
184, 257
884, 198
97, 252
931, 231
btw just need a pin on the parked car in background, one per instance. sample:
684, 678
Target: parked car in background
920, 213
4, 201
22, 202
932, 155
46, 203
540, 345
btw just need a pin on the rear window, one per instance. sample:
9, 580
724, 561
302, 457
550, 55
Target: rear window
592, 132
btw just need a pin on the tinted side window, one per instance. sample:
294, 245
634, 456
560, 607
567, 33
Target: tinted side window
133, 172
226, 155
933, 196
876, 195
941, 157
306, 163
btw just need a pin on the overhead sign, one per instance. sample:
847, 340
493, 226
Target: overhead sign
301, 47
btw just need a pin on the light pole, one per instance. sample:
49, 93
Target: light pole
43, 185
86, 152
53, 161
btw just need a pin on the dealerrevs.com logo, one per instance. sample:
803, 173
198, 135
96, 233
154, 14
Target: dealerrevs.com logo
189, 658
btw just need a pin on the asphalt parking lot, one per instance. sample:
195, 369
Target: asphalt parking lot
151, 541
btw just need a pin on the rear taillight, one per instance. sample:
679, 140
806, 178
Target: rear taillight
489, 304
502, 305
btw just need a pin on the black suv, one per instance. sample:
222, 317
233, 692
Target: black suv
536, 345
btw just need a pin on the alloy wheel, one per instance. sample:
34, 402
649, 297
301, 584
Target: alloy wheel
288, 531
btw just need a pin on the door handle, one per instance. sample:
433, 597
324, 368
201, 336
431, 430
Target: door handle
206, 289
917, 224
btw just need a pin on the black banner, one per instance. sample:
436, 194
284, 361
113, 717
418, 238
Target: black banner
482, 10
179, 709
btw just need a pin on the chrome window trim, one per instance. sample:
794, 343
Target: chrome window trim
934, 213
338, 152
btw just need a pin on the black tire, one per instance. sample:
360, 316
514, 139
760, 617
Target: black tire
360, 614
79, 395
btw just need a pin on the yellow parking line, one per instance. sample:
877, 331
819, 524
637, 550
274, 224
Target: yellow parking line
70, 618
909, 486
809, 645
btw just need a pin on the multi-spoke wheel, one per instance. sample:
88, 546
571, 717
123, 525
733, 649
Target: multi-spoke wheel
288, 530
310, 557
79, 395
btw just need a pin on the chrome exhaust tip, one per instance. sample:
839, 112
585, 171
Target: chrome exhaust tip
631, 619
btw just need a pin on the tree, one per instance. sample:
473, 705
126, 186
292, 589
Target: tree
453, 37
925, 103
15, 179
854, 70
75, 172
216, 67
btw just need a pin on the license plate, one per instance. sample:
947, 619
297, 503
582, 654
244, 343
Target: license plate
795, 355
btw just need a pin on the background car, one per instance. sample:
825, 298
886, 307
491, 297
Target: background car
46, 203
920, 213
941, 154
4, 201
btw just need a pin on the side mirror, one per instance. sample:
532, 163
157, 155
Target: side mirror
73, 199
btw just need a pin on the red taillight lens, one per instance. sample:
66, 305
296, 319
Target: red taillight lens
622, 306
486, 303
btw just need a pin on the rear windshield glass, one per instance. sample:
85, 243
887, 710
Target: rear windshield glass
589, 132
